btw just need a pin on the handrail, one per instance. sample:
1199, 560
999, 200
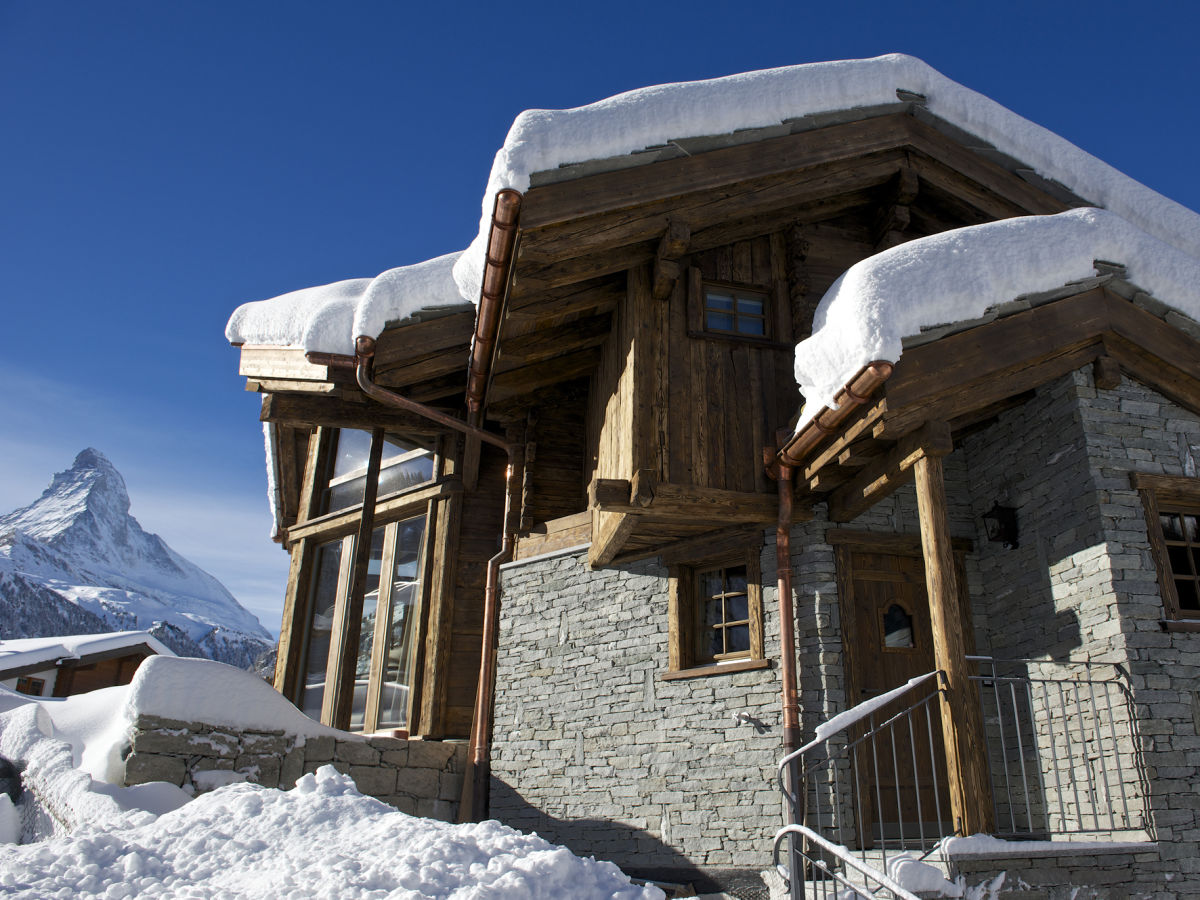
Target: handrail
844, 856
844, 720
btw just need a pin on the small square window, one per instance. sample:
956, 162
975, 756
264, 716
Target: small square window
736, 311
716, 614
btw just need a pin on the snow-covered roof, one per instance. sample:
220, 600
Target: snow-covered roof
958, 275
20, 653
329, 318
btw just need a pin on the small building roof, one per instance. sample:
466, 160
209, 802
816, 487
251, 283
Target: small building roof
26, 653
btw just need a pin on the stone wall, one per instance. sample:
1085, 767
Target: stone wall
421, 778
1070, 872
593, 750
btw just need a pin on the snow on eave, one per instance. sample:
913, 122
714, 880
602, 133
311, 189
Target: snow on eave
20, 653
329, 317
542, 139
957, 275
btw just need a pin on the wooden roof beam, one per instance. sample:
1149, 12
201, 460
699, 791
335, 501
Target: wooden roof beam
879, 479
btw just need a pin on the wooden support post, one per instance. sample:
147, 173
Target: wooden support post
962, 718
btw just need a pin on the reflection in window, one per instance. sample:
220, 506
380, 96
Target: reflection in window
403, 465
725, 624
366, 634
1181, 535
735, 311
397, 651
897, 627
322, 600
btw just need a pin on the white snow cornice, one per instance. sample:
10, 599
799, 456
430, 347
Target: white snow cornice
958, 275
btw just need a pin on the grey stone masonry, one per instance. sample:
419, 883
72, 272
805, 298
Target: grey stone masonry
421, 778
593, 749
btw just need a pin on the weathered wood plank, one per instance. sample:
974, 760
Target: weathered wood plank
880, 478
307, 412
279, 363
687, 504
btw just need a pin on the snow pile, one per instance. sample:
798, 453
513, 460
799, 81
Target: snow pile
845, 719
957, 275
329, 318
913, 875
321, 840
199, 690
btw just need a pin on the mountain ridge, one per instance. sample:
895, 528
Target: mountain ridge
77, 544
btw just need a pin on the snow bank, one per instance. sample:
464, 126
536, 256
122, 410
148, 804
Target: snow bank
957, 275
329, 318
321, 840
200, 690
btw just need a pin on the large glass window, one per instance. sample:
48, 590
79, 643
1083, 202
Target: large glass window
403, 465
323, 598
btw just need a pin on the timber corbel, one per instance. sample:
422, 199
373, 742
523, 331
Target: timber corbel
671, 247
880, 478
896, 215
643, 496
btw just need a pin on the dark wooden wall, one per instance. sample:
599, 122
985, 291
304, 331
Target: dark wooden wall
106, 673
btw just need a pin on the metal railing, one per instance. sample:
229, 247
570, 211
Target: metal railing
1062, 753
1062, 748
830, 870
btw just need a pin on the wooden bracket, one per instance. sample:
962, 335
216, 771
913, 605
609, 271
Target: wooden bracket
674, 244
895, 217
1106, 372
878, 479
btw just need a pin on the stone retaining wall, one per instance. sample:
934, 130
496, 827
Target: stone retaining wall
421, 778
1129, 872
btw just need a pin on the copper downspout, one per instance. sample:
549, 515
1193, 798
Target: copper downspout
478, 758
502, 239
792, 454
787, 618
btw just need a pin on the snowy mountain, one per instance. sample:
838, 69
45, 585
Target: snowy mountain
75, 561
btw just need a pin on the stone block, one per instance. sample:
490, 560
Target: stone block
160, 723
262, 770
216, 744
143, 767
318, 749
377, 781
261, 744
357, 753
443, 810
429, 754
417, 782
166, 742
397, 758
291, 768
402, 802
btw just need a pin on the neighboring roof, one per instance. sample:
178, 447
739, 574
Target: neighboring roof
329, 318
958, 275
22, 653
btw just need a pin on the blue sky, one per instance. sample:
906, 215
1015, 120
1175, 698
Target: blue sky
163, 162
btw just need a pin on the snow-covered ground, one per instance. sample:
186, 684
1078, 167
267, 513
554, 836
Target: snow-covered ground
87, 837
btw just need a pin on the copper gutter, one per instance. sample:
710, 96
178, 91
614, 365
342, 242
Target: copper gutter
502, 240
856, 392
479, 753
853, 394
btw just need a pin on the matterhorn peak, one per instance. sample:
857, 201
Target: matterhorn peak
90, 495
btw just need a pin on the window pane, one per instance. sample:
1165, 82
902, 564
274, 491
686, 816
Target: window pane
1170, 527
712, 612
1191, 528
347, 479
711, 583
1180, 564
750, 305
1188, 597
751, 326
322, 601
735, 579
737, 608
897, 627
719, 321
366, 635
738, 638
716, 643
406, 589
405, 474
718, 301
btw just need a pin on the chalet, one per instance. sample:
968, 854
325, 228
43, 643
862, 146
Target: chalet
75, 664
853, 317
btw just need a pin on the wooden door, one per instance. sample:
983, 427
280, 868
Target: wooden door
888, 640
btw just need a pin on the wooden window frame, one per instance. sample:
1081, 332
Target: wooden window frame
1168, 494
27, 683
349, 525
697, 320
685, 611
